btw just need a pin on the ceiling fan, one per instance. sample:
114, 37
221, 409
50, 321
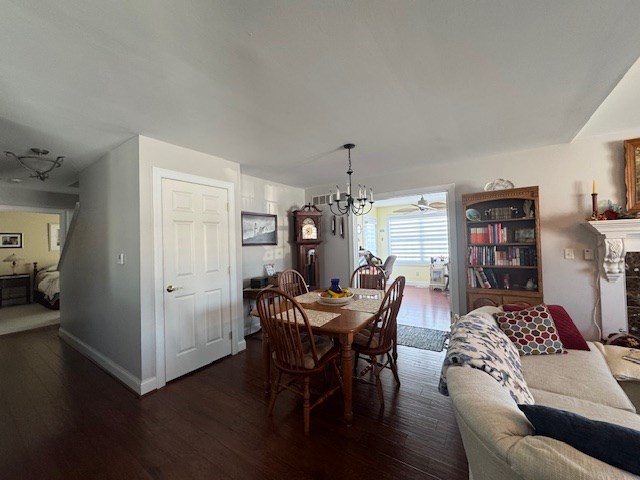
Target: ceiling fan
423, 206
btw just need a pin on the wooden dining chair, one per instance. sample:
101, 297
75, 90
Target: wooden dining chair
378, 339
292, 283
369, 276
296, 352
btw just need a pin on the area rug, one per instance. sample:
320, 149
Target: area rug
17, 318
423, 338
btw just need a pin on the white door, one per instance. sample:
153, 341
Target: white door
197, 306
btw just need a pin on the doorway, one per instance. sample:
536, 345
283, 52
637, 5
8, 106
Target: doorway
29, 295
194, 226
416, 227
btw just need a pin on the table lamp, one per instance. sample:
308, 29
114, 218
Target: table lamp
14, 259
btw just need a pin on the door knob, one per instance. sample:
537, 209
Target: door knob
171, 288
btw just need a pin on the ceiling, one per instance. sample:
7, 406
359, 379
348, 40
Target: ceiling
279, 86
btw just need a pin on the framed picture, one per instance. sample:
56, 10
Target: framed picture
632, 173
54, 237
525, 235
10, 240
259, 229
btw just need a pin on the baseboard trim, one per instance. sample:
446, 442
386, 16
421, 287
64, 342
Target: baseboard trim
148, 385
418, 284
104, 362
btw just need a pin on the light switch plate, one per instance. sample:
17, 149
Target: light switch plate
569, 254
588, 254
120, 259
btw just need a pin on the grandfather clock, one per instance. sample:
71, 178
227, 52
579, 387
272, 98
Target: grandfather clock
307, 237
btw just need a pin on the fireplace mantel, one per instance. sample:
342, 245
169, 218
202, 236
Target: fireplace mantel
615, 239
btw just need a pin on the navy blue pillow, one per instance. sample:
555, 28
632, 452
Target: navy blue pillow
613, 444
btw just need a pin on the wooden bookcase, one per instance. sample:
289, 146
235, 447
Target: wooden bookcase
502, 245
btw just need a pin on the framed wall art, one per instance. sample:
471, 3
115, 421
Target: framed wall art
632, 173
54, 237
10, 240
259, 229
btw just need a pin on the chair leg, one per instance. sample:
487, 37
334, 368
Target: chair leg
394, 368
355, 363
274, 392
306, 406
376, 372
395, 344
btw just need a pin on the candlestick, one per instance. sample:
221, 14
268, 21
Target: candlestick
593, 187
594, 206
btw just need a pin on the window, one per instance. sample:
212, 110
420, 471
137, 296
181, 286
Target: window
369, 236
417, 238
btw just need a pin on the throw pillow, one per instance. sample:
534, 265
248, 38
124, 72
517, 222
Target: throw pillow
613, 444
569, 334
532, 330
515, 307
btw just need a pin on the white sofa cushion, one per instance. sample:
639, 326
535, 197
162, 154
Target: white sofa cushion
543, 458
488, 409
579, 374
594, 411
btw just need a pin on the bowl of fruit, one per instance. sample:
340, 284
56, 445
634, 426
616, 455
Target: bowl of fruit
329, 297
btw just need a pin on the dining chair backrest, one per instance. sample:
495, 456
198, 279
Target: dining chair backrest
387, 266
288, 330
383, 330
292, 283
369, 276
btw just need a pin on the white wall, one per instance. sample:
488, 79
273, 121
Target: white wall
35, 198
100, 300
154, 153
564, 174
108, 310
263, 196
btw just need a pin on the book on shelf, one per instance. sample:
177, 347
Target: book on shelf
482, 278
471, 278
491, 277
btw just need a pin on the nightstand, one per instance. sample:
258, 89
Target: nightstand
15, 288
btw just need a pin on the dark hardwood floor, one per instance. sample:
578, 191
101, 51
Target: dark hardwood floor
63, 417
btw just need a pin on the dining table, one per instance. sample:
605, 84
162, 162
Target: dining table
351, 318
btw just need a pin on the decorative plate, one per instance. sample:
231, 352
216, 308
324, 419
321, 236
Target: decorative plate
335, 301
472, 214
498, 184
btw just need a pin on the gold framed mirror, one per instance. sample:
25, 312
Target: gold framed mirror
632, 173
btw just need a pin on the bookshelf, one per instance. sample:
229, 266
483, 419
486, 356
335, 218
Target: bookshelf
502, 247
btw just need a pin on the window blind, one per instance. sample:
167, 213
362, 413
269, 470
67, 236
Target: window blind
417, 238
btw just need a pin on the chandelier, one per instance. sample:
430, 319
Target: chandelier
359, 205
37, 162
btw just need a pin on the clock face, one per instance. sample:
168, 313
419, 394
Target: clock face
309, 230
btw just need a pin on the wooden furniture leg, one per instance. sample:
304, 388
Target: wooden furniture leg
395, 344
347, 376
266, 360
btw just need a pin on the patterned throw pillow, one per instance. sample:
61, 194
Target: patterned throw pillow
532, 331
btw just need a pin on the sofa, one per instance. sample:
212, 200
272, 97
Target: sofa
498, 438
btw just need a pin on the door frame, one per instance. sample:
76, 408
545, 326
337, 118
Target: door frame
452, 206
64, 217
158, 264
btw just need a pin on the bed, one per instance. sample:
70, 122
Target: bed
46, 286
